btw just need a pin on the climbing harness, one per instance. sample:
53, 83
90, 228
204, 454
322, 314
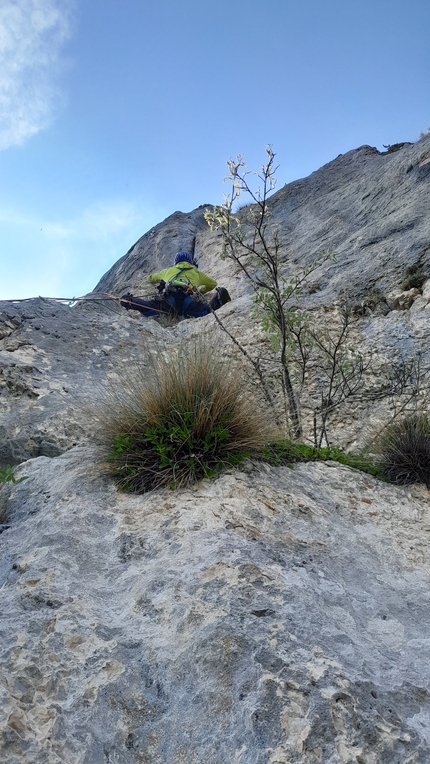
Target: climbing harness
180, 290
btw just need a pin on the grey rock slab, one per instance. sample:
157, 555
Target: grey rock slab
54, 362
406, 299
268, 616
419, 304
367, 207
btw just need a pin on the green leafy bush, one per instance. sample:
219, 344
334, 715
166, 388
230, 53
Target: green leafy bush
7, 476
182, 419
405, 451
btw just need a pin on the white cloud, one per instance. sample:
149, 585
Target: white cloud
31, 35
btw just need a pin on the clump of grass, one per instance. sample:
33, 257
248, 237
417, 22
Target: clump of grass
180, 420
404, 451
414, 277
288, 452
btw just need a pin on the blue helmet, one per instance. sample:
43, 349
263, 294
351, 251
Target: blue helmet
183, 257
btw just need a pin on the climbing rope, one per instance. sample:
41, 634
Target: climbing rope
91, 296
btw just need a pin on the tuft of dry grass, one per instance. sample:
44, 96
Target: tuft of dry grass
180, 419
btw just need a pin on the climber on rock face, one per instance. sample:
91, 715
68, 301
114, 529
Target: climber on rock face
181, 288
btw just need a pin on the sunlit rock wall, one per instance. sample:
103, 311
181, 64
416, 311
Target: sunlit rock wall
270, 616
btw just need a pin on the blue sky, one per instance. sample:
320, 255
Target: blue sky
116, 113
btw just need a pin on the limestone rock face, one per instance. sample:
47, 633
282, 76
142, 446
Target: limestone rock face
369, 208
272, 615
54, 361
406, 299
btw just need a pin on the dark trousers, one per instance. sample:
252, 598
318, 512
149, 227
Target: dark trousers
173, 305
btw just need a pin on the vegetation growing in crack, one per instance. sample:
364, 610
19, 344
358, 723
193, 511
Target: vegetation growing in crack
414, 277
391, 148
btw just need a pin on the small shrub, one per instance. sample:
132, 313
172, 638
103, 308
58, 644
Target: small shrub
405, 451
7, 476
181, 420
414, 277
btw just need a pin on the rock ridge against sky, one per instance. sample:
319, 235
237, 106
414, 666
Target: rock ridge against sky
368, 207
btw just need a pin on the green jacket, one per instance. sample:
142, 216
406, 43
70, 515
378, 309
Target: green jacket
189, 275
